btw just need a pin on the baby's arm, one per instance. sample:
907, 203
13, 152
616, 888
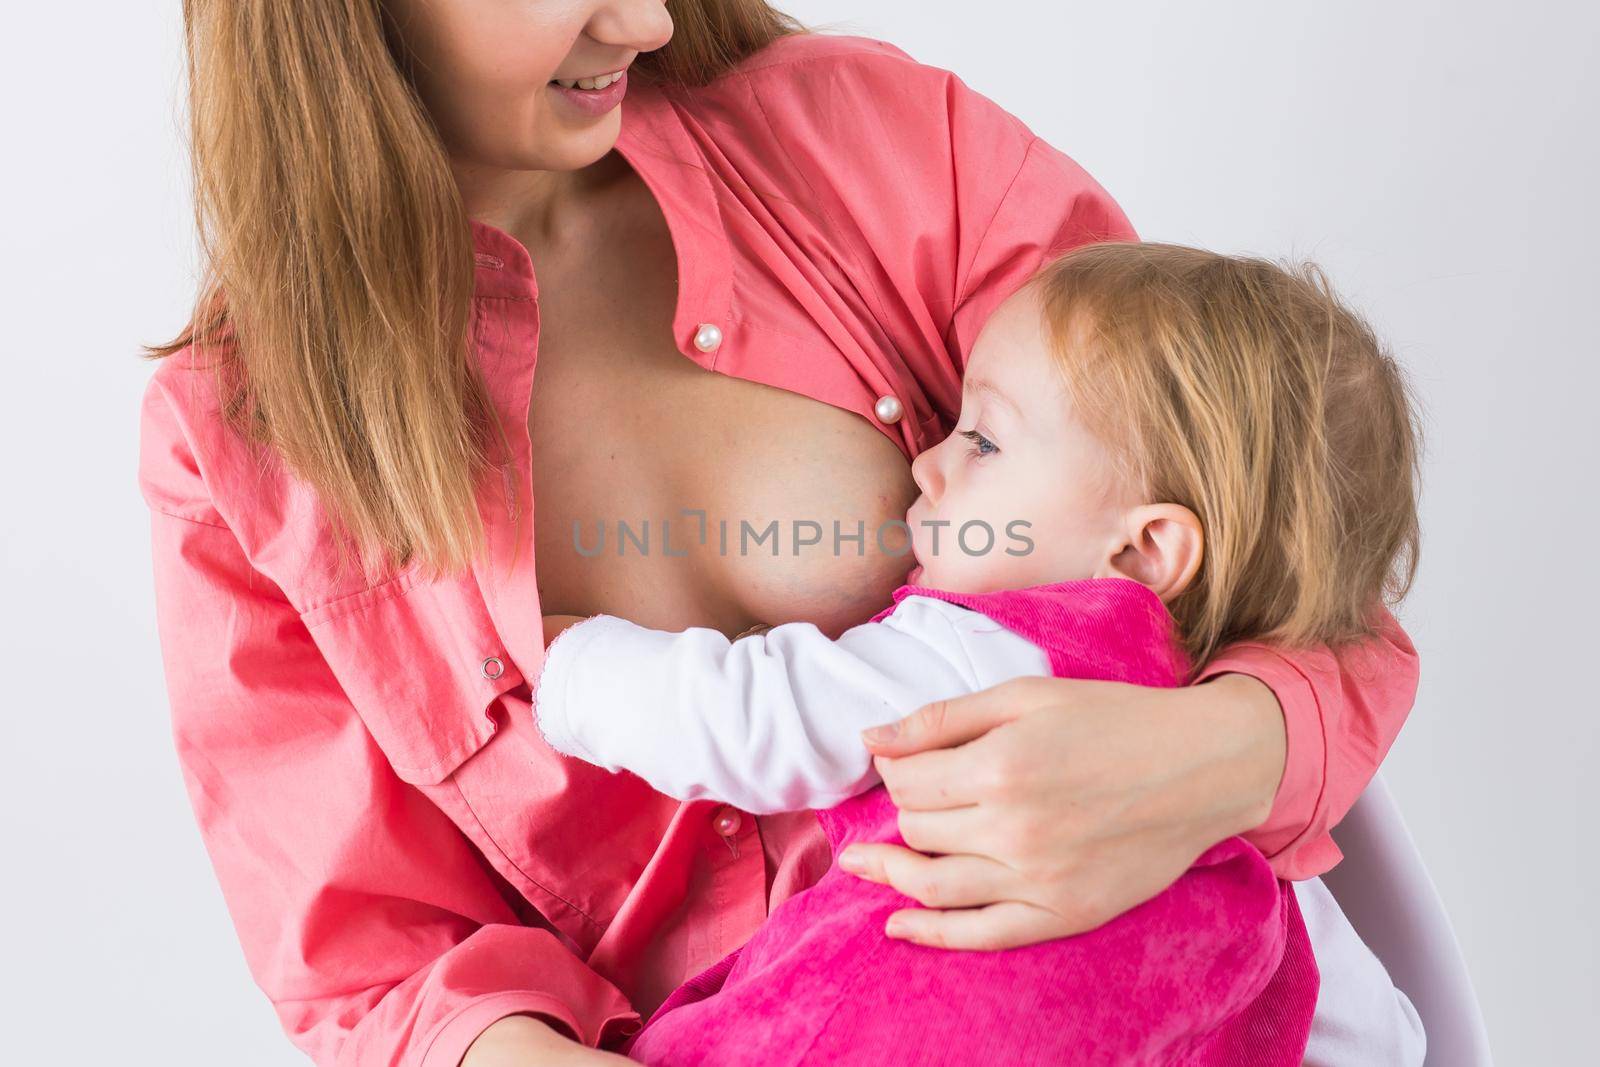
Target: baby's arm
770, 721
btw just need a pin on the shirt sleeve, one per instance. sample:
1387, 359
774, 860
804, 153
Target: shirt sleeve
937, 201
365, 915
1342, 709
769, 722
1010, 229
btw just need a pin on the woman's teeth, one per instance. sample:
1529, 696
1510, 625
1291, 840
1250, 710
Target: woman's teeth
588, 83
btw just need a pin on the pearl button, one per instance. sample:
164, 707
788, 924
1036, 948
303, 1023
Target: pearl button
707, 337
888, 409
727, 822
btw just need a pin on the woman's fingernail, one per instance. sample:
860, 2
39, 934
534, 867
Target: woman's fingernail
896, 927
851, 861
882, 733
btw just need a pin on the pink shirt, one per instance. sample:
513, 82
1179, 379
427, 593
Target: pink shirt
404, 860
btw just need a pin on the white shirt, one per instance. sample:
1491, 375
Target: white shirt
772, 722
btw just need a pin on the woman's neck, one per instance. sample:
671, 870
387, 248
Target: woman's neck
539, 207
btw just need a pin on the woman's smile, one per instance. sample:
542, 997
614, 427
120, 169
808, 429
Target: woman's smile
591, 96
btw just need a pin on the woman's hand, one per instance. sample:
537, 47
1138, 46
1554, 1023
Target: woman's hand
1059, 804
524, 1041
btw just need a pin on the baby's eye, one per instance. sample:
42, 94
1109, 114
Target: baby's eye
981, 445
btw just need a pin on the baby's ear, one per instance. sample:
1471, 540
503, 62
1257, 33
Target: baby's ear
1162, 548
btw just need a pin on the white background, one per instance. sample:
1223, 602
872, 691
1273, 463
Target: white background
1439, 159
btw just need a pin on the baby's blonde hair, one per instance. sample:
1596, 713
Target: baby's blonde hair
1248, 393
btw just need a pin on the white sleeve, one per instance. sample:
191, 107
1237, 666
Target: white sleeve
770, 722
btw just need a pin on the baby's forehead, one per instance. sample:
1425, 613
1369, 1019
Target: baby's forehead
1014, 361
980, 386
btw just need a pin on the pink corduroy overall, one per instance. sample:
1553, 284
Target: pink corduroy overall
1217, 969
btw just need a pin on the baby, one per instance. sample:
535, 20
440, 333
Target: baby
1160, 451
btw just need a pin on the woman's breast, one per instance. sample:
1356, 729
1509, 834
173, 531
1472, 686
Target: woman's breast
675, 496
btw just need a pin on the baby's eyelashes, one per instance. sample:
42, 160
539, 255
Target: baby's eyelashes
981, 445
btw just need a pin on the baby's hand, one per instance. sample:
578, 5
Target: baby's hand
554, 624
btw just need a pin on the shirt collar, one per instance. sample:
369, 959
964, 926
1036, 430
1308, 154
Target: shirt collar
657, 141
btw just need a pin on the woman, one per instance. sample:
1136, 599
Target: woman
345, 452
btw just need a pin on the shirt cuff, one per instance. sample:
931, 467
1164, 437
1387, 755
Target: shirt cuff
1287, 837
457, 1033
550, 705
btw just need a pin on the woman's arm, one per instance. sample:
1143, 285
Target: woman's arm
1105, 793
365, 915
1341, 710
525, 1041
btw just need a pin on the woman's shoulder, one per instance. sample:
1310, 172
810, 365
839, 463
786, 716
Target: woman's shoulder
812, 46
866, 95
195, 463
923, 184
180, 418
857, 129
852, 107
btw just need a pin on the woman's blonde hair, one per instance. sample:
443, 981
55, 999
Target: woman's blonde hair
1248, 393
338, 259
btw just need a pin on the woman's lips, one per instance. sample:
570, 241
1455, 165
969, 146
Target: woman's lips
593, 102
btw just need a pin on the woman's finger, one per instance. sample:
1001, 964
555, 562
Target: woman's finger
951, 831
928, 781
1004, 925
933, 881
953, 722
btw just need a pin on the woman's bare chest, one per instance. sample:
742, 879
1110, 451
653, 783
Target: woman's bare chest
677, 496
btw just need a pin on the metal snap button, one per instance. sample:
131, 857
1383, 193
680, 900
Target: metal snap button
708, 337
493, 668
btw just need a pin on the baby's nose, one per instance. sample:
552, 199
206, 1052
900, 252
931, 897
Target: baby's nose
924, 471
